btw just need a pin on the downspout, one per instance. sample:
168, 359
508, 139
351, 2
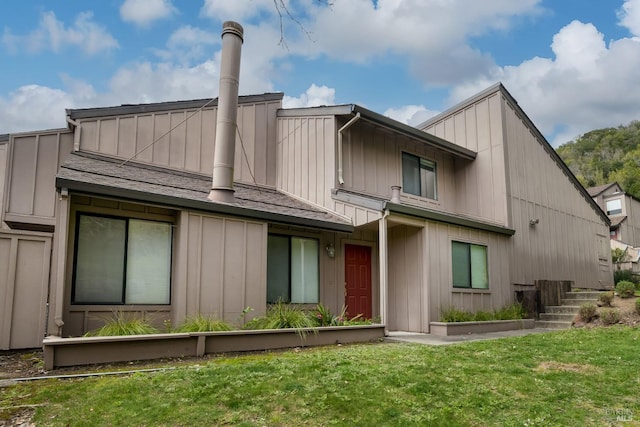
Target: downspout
224, 152
384, 269
76, 133
342, 129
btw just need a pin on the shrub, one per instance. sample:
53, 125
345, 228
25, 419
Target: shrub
124, 324
510, 312
282, 316
638, 305
606, 298
626, 275
610, 316
202, 323
452, 314
587, 312
626, 289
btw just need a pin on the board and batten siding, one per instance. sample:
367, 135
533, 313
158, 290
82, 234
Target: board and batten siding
630, 227
33, 161
221, 267
148, 138
421, 279
480, 185
4, 149
24, 279
570, 239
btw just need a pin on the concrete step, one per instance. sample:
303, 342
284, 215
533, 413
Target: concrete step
578, 301
552, 324
583, 295
562, 317
560, 309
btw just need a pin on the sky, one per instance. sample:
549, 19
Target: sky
572, 65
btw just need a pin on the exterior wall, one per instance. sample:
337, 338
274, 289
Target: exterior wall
421, 278
629, 231
81, 318
33, 162
24, 279
515, 180
4, 148
190, 145
480, 185
221, 267
306, 158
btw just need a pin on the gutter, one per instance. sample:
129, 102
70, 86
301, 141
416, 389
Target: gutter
342, 129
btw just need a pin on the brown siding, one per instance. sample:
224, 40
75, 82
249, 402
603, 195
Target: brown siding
4, 147
184, 140
481, 185
33, 163
24, 278
630, 227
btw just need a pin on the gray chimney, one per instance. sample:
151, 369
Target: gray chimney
224, 153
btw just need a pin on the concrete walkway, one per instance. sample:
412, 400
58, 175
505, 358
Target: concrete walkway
413, 337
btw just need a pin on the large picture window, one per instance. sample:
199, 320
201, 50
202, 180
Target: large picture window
419, 176
292, 269
469, 264
121, 261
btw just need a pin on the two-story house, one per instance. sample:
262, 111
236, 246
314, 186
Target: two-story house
336, 205
623, 211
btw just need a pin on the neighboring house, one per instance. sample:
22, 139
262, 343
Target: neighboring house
624, 213
334, 205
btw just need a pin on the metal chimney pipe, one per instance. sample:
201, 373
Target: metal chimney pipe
225, 142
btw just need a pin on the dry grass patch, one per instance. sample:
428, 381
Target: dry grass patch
567, 367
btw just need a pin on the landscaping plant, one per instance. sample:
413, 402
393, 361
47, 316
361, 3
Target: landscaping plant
606, 298
587, 312
202, 323
625, 289
610, 316
123, 323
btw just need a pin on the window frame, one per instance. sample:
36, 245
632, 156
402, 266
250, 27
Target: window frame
123, 299
290, 238
469, 266
421, 161
617, 211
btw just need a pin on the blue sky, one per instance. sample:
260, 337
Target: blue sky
573, 65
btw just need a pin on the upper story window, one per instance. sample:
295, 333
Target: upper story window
614, 207
419, 176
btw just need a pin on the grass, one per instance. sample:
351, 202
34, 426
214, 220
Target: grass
575, 377
202, 323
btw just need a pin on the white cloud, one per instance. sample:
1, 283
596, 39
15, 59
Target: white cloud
34, 107
629, 16
188, 44
587, 85
313, 97
236, 10
145, 12
52, 34
411, 115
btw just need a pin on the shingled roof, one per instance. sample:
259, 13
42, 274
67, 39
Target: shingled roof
106, 176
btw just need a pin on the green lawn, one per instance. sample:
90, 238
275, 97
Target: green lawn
580, 377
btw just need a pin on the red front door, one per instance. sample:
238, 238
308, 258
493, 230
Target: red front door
357, 272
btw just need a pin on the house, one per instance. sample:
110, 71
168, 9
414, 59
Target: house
623, 211
333, 204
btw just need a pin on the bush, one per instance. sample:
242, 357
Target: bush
626, 275
510, 312
124, 324
638, 305
606, 299
587, 312
625, 289
610, 316
452, 314
202, 323
282, 316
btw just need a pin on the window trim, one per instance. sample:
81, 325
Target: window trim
289, 273
420, 159
123, 302
470, 288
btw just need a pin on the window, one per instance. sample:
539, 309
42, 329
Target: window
469, 266
121, 261
419, 176
614, 207
292, 269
